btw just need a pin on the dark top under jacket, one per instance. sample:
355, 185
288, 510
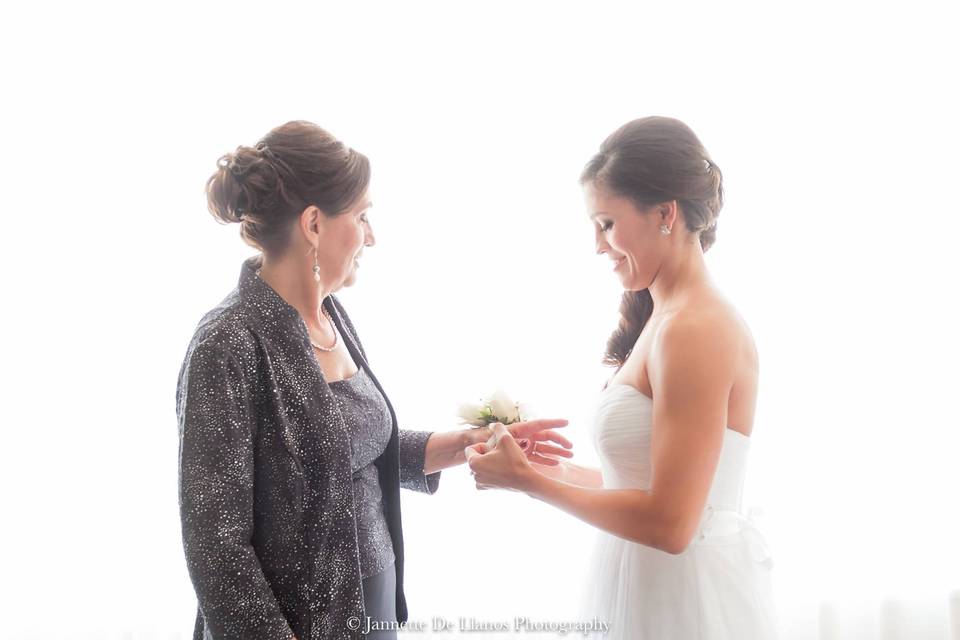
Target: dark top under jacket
265, 474
367, 419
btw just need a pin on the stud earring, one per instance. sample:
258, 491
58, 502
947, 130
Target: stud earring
316, 267
664, 229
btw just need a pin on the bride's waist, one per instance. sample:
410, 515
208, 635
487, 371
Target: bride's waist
718, 521
718, 524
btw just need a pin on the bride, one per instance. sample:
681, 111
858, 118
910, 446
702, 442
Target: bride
674, 557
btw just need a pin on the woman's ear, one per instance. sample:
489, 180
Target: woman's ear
312, 222
668, 212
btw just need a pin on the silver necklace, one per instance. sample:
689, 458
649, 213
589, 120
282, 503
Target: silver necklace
333, 327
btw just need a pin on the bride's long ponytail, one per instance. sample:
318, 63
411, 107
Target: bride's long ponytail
650, 161
636, 307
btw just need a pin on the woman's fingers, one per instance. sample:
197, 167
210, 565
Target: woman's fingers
474, 451
503, 436
530, 427
550, 450
552, 436
539, 459
497, 431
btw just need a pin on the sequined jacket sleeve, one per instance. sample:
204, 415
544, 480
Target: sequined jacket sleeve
216, 498
413, 444
413, 448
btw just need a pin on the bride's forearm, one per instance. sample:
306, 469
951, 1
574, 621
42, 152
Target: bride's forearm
573, 474
445, 448
631, 514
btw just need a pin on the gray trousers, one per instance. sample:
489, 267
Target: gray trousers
380, 601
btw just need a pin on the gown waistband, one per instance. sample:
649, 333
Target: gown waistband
726, 522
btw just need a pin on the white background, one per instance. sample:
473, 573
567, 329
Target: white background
836, 130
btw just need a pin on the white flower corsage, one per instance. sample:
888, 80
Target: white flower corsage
498, 407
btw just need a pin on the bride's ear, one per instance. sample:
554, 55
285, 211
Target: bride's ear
667, 213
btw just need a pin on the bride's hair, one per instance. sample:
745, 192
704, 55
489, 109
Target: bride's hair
650, 161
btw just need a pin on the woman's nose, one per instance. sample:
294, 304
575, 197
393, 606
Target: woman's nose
369, 239
601, 244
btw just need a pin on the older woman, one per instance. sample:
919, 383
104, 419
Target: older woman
291, 459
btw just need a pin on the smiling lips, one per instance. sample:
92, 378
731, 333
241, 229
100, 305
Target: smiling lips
617, 263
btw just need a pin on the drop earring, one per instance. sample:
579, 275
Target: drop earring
316, 267
664, 229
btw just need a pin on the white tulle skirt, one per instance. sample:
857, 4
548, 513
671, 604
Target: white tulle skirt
719, 588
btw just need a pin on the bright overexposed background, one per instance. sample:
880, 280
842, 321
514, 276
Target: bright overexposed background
836, 129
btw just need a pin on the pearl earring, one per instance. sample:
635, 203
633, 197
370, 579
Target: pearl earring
664, 229
316, 267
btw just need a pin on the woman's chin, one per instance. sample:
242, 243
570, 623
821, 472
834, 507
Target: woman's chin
625, 281
351, 278
632, 284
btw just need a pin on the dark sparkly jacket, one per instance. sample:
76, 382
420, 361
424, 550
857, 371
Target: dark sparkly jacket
265, 493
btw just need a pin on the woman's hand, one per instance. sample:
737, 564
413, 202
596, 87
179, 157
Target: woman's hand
446, 448
504, 466
533, 436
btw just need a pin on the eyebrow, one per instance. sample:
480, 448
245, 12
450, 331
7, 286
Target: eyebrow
598, 213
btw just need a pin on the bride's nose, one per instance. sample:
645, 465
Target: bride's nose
600, 243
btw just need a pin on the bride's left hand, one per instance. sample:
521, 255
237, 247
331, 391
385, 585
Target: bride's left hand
503, 467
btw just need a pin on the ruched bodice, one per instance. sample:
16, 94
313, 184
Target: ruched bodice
622, 431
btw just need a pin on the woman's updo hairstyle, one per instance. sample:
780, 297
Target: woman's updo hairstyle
266, 187
650, 161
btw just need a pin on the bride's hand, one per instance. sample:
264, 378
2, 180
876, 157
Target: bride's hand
533, 437
504, 466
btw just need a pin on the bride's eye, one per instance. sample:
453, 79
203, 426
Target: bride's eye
606, 226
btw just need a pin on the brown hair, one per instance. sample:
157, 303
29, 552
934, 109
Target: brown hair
266, 187
650, 161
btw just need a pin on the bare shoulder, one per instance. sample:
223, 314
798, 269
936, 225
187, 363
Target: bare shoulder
710, 330
704, 355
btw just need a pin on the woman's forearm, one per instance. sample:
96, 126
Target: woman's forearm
445, 448
574, 474
631, 514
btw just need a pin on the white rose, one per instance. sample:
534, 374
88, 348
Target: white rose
470, 413
503, 407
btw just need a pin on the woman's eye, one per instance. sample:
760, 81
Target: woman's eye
606, 226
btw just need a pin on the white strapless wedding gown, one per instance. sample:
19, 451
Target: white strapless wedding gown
718, 588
